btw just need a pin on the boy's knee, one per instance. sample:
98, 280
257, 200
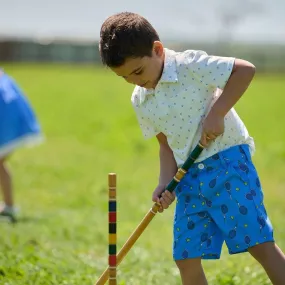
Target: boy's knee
262, 251
3, 160
3, 166
191, 271
189, 265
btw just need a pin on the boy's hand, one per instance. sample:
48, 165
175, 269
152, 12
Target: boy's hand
213, 126
166, 197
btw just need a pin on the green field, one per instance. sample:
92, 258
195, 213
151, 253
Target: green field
61, 185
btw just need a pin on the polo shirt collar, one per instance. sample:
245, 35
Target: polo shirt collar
169, 73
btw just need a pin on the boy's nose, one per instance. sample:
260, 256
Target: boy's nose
131, 80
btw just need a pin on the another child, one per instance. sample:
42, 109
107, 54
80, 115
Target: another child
183, 98
18, 127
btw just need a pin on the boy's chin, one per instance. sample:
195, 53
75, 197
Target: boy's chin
147, 85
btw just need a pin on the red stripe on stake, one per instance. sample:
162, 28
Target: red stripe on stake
112, 260
112, 217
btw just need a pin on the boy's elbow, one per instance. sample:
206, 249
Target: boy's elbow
245, 68
251, 69
251, 72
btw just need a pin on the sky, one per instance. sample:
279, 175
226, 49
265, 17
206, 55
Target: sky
183, 20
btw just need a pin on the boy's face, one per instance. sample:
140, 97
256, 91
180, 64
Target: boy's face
143, 71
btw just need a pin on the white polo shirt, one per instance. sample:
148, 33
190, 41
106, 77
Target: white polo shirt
190, 83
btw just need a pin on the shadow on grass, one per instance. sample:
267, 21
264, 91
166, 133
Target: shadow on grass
22, 219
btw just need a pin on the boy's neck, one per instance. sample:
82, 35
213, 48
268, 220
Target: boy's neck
161, 69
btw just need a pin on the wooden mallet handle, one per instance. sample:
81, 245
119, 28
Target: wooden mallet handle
151, 213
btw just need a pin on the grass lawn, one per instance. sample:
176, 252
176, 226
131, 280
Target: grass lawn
61, 185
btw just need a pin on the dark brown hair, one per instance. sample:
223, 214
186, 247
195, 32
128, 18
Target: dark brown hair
125, 35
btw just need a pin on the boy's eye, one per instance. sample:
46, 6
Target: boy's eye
139, 72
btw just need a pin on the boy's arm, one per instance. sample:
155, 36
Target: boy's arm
168, 169
168, 166
240, 78
242, 74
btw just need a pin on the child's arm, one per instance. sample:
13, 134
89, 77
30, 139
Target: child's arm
168, 169
241, 76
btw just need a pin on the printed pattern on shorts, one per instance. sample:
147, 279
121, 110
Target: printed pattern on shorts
220, 199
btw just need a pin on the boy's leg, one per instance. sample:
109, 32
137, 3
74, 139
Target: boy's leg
7, 190
191, 271
272, 260
196, 235
242, 216
6, 183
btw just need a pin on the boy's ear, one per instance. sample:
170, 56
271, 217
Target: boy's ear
158, 48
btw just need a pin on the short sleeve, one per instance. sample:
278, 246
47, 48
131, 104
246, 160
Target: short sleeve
210, 70
147, 127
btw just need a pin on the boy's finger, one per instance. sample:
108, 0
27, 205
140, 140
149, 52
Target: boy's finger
160, 209
168, 200
170, 195
211, 136
155, 198
164, 204
204, 140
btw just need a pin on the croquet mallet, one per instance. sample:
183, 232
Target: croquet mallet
152, 212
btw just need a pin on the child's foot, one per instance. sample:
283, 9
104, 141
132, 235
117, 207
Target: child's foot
8, 212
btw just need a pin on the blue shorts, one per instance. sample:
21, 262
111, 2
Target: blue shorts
220, 199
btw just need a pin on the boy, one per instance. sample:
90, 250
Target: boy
182, 98
18, 127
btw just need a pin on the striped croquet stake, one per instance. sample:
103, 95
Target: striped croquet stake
152, 212
112, 229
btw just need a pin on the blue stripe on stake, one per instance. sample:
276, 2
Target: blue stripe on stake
112, 206
112, 249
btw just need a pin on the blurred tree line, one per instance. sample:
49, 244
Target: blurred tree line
267, 58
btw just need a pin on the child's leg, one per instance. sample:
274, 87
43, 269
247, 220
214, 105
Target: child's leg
6, 183
191, 271
272, 259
